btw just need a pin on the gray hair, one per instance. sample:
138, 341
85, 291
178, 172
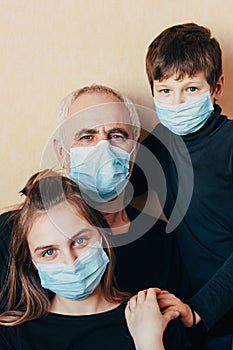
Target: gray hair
63, 107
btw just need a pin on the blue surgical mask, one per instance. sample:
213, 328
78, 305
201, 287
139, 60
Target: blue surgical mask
101, 171
187, 117
78, 280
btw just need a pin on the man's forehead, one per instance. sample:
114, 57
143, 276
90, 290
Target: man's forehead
109, 115
105, 118
99, 107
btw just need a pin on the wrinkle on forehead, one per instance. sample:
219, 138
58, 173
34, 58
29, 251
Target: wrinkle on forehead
111, 115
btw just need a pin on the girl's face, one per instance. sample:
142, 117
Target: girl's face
60, 236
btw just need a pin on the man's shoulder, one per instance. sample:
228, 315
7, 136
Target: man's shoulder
145, 222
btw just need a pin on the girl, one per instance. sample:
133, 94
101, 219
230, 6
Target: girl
61, 290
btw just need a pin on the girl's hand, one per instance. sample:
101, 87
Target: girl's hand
145, 321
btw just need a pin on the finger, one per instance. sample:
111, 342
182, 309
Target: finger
132, 302
156, 290
164, 292
169, 309
170, 315
152, 294
141, 296
127, 311
151, 298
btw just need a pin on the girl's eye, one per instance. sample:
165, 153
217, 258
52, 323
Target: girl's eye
49, 252
192, 89
165, 91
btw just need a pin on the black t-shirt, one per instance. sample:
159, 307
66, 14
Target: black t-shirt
103, 331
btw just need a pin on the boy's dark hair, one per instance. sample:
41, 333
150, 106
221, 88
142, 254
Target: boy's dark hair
184, 49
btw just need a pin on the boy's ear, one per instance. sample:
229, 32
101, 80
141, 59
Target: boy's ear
219, 88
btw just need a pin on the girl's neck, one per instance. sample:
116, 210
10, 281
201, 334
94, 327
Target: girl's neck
93, 304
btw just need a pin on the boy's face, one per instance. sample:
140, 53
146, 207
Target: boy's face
174, 92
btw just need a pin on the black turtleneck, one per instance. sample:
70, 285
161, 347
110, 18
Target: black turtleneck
193, 176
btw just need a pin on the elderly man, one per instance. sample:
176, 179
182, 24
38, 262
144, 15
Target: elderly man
96, 143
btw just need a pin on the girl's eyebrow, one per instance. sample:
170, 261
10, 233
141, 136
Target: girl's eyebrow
44, 247
87, 231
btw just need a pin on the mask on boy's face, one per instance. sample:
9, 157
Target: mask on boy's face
187, 117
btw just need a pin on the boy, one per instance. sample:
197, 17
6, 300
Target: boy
184, 68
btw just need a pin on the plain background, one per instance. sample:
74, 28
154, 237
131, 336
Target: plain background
50, 47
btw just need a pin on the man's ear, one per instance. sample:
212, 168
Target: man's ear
59, 151
219, 88
137, 145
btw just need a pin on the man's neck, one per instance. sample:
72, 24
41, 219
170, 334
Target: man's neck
116, 216
118, 222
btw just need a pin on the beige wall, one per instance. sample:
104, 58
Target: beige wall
50, 47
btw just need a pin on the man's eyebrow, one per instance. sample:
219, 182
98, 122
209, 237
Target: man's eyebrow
85, 131
118, 130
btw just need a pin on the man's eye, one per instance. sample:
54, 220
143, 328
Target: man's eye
49, 252
192, 89
80, 241
86, 137
117, 138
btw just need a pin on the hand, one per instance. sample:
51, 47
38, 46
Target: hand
145, 321
169, 302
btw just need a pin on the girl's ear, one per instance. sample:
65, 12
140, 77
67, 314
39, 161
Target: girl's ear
219, 88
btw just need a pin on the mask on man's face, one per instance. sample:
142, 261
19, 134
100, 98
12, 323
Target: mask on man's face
78, 280
187, 117
101, 171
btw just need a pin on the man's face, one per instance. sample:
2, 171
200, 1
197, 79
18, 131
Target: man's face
174, 92
94, 117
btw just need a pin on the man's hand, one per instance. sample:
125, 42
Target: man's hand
169, 302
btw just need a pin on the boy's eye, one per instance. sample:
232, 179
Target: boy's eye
49, 252
192, 89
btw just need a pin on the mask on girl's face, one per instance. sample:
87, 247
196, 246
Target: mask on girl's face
187, 117
101, 171
78, 280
